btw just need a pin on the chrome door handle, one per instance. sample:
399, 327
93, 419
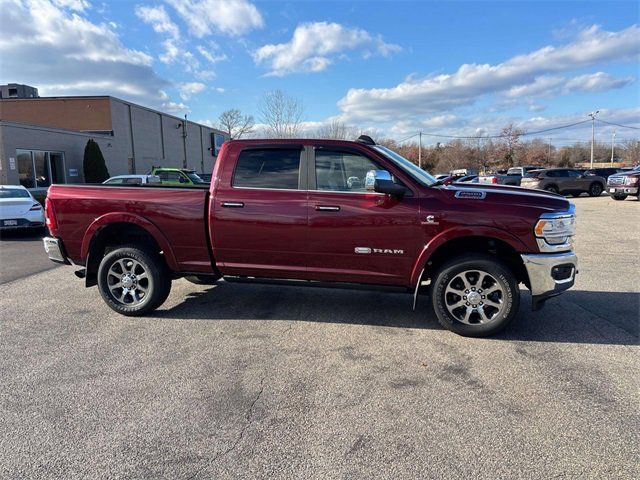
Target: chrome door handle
327, 208
233, 204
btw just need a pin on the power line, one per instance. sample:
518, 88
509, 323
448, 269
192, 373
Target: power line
617, 124
477, 137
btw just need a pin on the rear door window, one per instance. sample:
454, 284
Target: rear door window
270, 168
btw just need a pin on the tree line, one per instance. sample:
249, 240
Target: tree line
282, 116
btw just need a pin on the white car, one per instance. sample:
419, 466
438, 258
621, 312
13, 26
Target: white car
132, 180
18, 208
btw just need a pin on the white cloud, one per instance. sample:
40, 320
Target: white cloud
77, 5
210, 53
314, 46
548, 86
63, 53
159, 20
597, 82
439, 93
187, 90
229, 17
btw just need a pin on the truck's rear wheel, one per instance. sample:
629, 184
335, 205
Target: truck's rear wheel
133, 281
475, 295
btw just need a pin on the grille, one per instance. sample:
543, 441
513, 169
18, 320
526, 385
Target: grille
616, 180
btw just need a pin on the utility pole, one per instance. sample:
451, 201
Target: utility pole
613, 141
593, 132
420, 149
184, 140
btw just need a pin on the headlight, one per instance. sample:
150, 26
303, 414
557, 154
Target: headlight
631, 180
554, 230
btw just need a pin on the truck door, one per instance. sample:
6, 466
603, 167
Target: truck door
259, 220
355, 235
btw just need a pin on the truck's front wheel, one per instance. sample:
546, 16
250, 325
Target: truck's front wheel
475, 295
133, 281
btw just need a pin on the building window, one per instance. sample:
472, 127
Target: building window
39, 169
13, 92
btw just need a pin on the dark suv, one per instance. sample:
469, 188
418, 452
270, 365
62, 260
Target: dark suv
603, 172
564, 181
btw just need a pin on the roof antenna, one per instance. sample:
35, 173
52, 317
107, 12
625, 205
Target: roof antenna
366, 140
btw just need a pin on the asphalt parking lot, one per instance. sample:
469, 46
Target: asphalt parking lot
272, 381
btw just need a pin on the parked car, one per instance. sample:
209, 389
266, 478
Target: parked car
621, 185
602, 172
512, 176
565, 181
18, 209
132, 180
468, 179
451, 179
206, 177
362, 214
177, 176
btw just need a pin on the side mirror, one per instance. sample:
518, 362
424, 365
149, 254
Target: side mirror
380, 181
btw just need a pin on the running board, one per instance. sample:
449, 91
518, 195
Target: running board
317, 284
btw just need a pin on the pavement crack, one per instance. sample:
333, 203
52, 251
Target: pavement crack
234, 445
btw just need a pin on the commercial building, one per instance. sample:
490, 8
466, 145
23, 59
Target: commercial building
42, 139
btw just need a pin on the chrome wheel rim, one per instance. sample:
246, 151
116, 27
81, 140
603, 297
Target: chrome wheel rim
128, 282
474, 297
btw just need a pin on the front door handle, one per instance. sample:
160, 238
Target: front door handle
233, 204
327, 208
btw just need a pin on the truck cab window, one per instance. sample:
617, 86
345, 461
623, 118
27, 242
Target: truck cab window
268, 168
342, 171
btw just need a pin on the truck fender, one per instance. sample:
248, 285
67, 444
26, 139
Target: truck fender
460, 232
123, 217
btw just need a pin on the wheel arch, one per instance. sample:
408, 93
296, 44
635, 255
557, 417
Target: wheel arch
484, 240
122, 229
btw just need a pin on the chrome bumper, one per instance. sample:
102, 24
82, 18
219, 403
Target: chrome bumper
550, 274
55, 250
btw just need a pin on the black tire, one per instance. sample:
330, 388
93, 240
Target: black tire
202, 279
576, 194
552, 189
619, 197
595, 189
471, 264
156, 283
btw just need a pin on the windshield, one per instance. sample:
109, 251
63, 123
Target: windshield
416, 172
193, 176
514, 171
13, 193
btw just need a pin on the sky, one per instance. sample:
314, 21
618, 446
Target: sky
395, 67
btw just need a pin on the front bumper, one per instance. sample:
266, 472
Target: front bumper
55, 250
622, 190
550, 274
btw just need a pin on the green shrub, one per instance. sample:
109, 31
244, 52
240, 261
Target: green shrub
94, 166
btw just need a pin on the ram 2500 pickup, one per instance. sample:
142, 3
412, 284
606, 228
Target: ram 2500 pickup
320, 211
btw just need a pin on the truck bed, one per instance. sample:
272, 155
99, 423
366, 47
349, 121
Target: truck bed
178, 214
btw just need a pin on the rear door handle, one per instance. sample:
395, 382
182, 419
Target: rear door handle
327, 208
233, 204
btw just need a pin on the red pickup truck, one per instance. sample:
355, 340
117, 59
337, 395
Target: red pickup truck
320, 211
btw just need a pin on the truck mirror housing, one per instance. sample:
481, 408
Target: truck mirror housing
372, 176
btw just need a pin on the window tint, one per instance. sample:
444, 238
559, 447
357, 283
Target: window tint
170, 176
342, 171
114, 180
268, 168
133, 181
13, 193
573, 173
557, 173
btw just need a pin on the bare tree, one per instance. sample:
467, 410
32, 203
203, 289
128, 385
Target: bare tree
337, 130
235, 123
510, 143
281, 115
631, 152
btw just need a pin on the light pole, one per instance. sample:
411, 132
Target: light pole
593, 132
420, 149
613, 141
